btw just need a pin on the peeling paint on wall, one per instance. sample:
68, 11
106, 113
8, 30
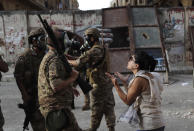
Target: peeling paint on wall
18, 24
34, 22
2, 46
191, 16
172, 22
86, 20
63, 21
175, 52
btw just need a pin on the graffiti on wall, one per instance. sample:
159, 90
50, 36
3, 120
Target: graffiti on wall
172, 23
175, 53
84, 21
34, 22
191, 16
15, 34
63, 21
17, 24
66, 21
16, 31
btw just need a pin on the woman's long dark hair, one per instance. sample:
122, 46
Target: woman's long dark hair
145, 61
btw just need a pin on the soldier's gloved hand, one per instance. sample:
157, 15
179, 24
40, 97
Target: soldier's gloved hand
74, 75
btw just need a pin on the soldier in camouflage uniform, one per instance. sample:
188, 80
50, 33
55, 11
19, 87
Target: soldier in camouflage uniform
26, 75
102, 98
55, 90
3, 68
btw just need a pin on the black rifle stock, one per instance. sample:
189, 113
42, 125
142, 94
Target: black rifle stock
85, 87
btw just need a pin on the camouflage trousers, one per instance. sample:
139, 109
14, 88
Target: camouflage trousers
87, 99
100, 109
61, 120
37, 121
1, 120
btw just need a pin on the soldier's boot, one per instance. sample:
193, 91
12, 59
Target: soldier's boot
111, 129
86, 102
73, 104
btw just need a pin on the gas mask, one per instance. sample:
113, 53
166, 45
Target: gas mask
88, 39
37, 42
85, 47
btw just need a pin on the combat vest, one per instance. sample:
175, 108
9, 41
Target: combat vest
48, 99
96, 72
29, 76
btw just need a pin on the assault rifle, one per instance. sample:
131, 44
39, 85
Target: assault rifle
29, 110
85, 87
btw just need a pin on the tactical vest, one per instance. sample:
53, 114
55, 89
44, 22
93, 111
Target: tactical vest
47, 96
99, 66
32, 64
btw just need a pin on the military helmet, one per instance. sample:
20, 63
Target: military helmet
37, 32
37, 35
93, 31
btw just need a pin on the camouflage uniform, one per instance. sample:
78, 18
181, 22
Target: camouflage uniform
86, 102
102, 98
26, 73
3, 68
52, 72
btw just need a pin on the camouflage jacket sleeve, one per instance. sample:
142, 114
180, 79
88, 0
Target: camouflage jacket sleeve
91, 57
56, 72
19, 68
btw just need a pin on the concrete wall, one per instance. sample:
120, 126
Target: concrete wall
174, 24
13, 31
15, 26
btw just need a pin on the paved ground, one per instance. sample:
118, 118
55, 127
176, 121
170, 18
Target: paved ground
178, 106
